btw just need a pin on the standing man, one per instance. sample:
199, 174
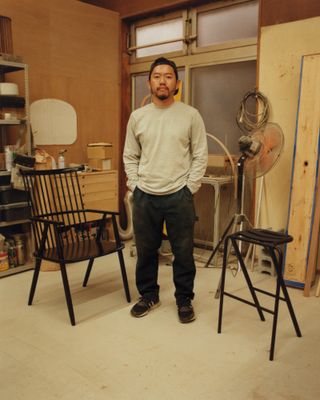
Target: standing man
165, 157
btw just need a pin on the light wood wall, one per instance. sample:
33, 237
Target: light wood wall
281, 49
72, 50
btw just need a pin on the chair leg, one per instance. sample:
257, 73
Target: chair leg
67, 292
88, 271
34, 280
124, 275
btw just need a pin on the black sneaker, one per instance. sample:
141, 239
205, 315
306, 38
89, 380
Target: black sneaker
143, 306
186, 312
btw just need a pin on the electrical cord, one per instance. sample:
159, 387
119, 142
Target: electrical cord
224, 148
247, 121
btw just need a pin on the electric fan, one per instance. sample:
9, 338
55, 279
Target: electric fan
261, 149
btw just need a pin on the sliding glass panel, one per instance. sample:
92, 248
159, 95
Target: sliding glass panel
228, 23
217, 92
160, 32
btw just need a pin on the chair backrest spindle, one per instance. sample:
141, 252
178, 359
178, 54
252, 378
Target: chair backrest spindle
55, 195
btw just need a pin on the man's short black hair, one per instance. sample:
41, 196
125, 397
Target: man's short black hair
163, 61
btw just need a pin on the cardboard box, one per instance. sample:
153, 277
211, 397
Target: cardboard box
45, 164
102, 152
98, 163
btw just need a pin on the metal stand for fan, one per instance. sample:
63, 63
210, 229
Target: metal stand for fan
237, 221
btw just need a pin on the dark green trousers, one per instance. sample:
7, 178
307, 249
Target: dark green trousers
149, 214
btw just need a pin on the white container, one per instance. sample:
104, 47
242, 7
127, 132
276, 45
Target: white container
9, 89
8, 155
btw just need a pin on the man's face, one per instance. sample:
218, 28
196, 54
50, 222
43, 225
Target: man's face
163, 82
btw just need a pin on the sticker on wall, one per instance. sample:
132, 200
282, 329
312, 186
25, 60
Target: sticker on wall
53, 121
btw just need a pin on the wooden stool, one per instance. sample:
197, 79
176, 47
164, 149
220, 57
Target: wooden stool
272, 242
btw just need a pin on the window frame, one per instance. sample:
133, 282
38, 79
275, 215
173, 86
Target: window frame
192, 57
165, 17
246, 42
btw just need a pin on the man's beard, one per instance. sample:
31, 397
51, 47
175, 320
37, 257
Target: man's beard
162, 96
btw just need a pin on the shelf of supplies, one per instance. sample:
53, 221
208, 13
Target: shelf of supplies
11, 66
12, 101
17, 270
11, 121
15, 222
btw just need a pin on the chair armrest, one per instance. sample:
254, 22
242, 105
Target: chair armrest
46, 221
101, 211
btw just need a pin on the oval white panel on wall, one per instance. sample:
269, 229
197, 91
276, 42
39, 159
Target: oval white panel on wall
53, 121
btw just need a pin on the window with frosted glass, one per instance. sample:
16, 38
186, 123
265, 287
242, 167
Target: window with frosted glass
142, 92
217, 92
163, 31
226, 24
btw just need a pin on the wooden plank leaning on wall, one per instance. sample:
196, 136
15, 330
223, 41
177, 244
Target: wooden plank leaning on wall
314, 244
303, 185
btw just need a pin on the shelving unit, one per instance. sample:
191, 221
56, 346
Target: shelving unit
18, 124
7, 68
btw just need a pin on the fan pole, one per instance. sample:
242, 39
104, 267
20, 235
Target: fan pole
236, 222
252, 247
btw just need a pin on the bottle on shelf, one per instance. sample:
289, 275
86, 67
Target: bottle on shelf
61, 159
19, 246
12, 254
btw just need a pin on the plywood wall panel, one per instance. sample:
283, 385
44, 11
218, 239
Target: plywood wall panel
72, 50
281, 49
306, 159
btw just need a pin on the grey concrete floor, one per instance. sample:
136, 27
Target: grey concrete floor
111, 355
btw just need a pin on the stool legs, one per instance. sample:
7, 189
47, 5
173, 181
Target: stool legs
256, 303
278, 268
275, 319
248, 280
278, 263
222, 281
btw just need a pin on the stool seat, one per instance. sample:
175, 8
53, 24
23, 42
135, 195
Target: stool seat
263, 237
273, 242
